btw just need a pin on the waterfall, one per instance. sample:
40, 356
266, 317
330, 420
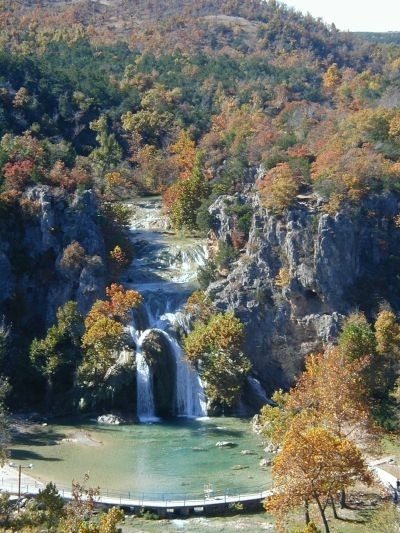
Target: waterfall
144, 383
190, 398
164, 270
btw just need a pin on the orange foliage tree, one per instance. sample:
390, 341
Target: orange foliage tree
104, 333
314, 464
328, 401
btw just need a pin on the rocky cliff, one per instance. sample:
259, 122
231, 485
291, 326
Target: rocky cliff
301, 272
36, 275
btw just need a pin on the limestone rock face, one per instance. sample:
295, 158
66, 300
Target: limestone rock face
158, 355
301, 272
33, 282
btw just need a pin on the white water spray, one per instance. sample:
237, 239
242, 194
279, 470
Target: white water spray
164, 271
144, 384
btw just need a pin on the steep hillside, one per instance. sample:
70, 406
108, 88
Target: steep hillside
276, 135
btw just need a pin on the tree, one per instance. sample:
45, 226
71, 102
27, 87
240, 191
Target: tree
184, 154
381, 343
118, 259
199, 306
278, 188
73, 258
329, 394
222, 332
59, 352
333, 390
184, 197
224, 374
104, 335
81, 507
386, 362
108, 154
79, 512
50, 501
313, 465
215, 345
357, 338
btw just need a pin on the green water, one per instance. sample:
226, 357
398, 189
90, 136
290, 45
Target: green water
176, 457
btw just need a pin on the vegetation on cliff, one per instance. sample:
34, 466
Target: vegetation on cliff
187, 100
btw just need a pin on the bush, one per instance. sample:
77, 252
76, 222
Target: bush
226, 255
206, 275
73, 258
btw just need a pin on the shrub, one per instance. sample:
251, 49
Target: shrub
278, 188
73, 258
226, 254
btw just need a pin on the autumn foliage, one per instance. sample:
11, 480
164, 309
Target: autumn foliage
278, 188
315, 424
215, 344
104, 332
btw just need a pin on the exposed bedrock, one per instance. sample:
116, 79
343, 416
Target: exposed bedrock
301, 272
34, 279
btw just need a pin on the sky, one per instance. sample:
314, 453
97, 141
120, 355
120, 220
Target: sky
353, 15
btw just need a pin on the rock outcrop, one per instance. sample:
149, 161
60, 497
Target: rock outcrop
301, 272
34, 281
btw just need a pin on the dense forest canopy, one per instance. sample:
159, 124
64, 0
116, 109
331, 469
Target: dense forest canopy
188, 99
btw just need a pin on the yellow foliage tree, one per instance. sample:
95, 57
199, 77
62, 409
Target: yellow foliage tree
313, 465
104, 332
278, 188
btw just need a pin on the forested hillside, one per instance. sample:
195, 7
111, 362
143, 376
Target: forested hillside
235, 112
136, 134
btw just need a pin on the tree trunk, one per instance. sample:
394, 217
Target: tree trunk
342, 499
324, 520
306, 512
49, 393
335, 515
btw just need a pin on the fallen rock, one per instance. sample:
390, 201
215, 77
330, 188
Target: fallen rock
110, 419
225, 444
265, 462
247, 452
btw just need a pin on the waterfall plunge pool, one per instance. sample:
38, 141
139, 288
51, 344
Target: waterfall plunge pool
176, 457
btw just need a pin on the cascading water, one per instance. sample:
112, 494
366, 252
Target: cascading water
144, 390
164, 271
190, 399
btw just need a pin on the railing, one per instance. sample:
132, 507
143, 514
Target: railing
158, 499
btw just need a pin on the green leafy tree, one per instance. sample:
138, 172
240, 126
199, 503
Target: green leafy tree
215, 344
108, 154
184, 197
59, 351
52, 504
357, 338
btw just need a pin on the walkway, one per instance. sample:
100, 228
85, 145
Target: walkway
163, 504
